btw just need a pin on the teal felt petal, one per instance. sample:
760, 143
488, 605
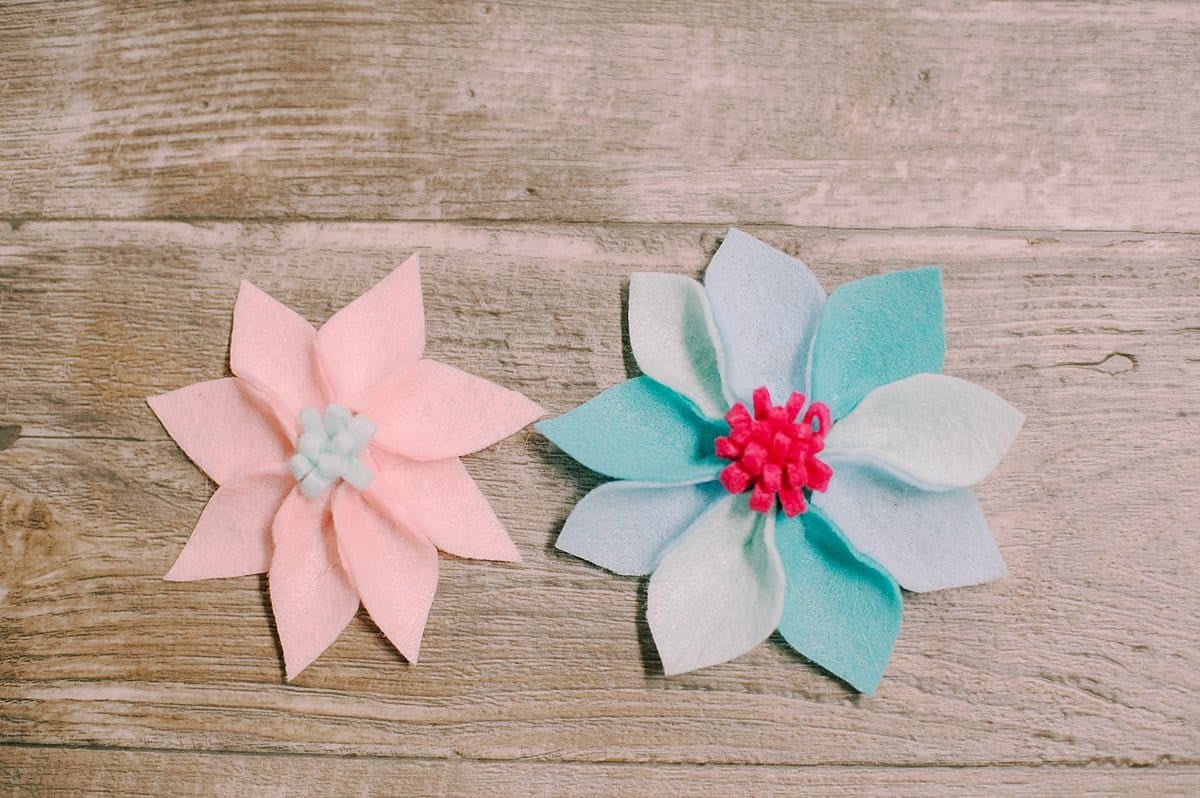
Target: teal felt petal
766, 306
625, 526
718, 591
673, 338
932, 431
927, 540
841, 609
639, 430
875, 331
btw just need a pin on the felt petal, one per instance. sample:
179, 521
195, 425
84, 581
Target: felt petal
378, 335
639, 430
224, 426
394, 571
273, 348
718, 591
875, 331
925, 540
841, 610
932, 431
625, 526
435, 411
439, 500
673, 338
233, 535
766, 306
311, 595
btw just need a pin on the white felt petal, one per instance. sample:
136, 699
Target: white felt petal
927, 540
718, 591
673, 338
766, 306
932, 431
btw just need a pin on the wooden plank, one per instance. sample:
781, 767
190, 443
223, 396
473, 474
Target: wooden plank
835, 113
67, 772
1088, 653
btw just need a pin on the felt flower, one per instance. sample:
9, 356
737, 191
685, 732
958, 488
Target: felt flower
788, 461
336, 452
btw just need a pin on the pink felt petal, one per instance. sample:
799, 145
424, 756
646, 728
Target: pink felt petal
438, 499
394, 570
376, 336
224, 426
311, 595
436, 411
233, 535
273, 347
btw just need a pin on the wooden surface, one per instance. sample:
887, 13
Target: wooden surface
153, 154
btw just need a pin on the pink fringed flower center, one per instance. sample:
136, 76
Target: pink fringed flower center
773, 454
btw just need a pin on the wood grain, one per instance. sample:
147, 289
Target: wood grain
40, 771
1087, 654
835, 112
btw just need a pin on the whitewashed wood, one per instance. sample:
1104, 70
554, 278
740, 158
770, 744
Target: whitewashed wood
834, 112
58, 772
1088, 654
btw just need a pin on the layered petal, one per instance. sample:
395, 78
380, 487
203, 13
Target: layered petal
626, 526
273, 348
435, 411
926, 540
674, 341
438, 500
639, 430
841, 610
224, 426
394, 571
875, 331
377, 336
930, 430
766, 306
718, 590
311, 595
233, 535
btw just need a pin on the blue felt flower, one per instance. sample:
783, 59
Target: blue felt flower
806, 516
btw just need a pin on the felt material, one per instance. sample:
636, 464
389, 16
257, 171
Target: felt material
438, 500
673, 339
932, 431
222, 426
639, 430
875, 331
312, 598
379, 334
367, 353
273, 348
435, 411
926, 540
766, 306
626, 526
233, 535
841, 610
718, 590
394, 571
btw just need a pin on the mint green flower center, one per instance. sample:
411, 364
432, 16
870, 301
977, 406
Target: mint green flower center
329, 449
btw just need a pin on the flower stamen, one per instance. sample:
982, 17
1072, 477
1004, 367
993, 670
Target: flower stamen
773, 454
329, 449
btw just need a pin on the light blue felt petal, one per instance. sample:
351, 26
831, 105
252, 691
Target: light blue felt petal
673, 338
766, 306
718, 591
875, 331
841, 609
625, 526
926, 540
639, 430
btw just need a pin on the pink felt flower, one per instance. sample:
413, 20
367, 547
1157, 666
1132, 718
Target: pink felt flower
336, 452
